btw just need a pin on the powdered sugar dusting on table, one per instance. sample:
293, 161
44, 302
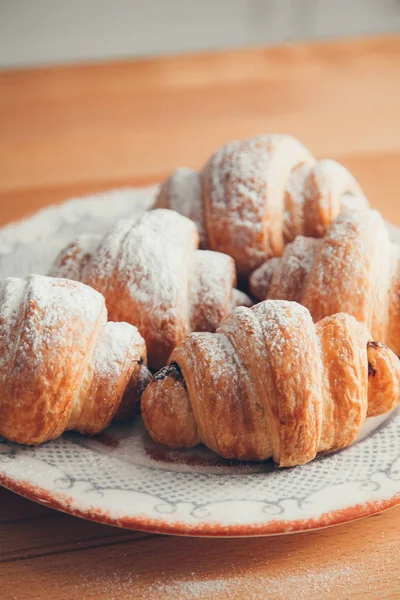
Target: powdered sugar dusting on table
254, 574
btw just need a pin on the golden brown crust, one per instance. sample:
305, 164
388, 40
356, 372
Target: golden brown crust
62, 365
354, 269
152, 276
316, 193
343, 348
271, 383
169, 404
384, 386
254, 196
393, 298
130, 403
286, 277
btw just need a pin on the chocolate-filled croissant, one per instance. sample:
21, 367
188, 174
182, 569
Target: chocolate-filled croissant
62, 365
255, 196
152, 276
270, 382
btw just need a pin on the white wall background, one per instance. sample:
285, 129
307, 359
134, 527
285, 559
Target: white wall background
53, 31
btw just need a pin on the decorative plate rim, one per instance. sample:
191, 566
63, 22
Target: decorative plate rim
62, 502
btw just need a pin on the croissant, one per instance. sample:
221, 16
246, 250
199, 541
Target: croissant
62, 365
355, 269
152, 275
271, 383
255, 196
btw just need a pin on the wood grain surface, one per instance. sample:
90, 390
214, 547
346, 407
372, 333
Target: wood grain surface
74, 130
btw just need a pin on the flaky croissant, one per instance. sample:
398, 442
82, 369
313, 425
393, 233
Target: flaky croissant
62, 365
255, 196
271, 383
152, 275
355, 269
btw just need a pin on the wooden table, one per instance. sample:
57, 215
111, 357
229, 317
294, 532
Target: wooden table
71, 130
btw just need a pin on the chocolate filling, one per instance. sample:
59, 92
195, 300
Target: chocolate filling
173, 370
375, 345
371, 369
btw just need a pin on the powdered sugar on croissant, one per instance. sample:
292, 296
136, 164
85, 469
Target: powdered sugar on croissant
254, 196
353, 269
62, 365
271, 383
152, 275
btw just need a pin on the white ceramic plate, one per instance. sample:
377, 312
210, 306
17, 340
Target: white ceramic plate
121, 477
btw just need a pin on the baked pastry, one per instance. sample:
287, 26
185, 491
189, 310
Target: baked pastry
271, 383
62, 365
255, 196
355, 269
152, 275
